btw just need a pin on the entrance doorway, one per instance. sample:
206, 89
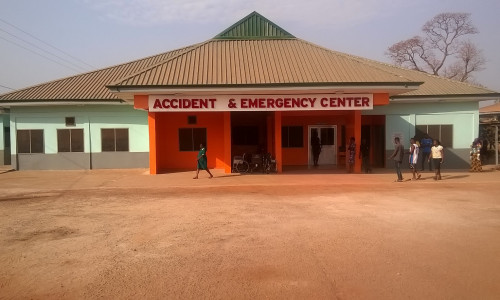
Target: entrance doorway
249, 133
328, 137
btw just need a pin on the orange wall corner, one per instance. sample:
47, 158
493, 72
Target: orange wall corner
141, 102
381, 99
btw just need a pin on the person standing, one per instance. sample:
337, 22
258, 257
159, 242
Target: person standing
364, 154
425, 145
437, 156
397, 156
352, 154
414, 152
316, 147
484, 151
202, 162
475, 156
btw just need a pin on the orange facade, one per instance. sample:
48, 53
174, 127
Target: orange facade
165, 154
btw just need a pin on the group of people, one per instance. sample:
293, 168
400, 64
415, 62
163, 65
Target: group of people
431, 151
434, 156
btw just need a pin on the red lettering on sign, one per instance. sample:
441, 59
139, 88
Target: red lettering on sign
366, 101
270, 103
165, 103
212, 102
157, 103
279, 103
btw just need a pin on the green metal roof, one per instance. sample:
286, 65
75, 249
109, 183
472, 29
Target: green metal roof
254, 27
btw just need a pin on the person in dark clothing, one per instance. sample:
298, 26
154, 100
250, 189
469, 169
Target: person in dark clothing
425, 147
201, 162
397, 156
316, 147
364, 154
484, 151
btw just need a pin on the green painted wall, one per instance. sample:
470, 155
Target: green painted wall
89, 117
402, 119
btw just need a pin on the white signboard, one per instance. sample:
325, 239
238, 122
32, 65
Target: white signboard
170, 103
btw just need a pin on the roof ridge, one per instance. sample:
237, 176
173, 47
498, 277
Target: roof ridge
355, 58
254, 26
186, 50
94, 71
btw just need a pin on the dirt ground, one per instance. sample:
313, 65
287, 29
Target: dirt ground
124, 234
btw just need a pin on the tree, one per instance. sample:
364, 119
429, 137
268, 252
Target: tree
443, 50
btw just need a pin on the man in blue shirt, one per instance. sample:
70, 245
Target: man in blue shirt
425, 147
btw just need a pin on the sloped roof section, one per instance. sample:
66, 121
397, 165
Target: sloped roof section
432, 85
253, 52
254, 26
495, 108
87, 86
260, 62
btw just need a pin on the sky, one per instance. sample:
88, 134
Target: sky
41, 41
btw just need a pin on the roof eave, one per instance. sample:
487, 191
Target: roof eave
20, 103
408, 86
392, 88
443, 98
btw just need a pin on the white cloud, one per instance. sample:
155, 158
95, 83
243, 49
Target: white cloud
318, 12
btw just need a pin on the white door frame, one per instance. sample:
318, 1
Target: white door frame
309, 152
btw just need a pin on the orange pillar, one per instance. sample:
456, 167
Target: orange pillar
277, 141
357, 136
227, 142
153, 162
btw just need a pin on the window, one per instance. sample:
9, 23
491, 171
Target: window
192, 120
292, 137
30, 141
115, 139
70, 140
191, 138
70, 121
443, 133
245, 135
327, 136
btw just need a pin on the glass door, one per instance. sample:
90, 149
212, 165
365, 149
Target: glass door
327, 135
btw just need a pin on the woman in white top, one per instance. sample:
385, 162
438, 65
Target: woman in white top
414, 151
437, 155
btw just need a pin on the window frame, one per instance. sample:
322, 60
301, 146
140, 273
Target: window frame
31, 141
194, 142
71, 135
447, 142
115, 143
285, 136
70, 121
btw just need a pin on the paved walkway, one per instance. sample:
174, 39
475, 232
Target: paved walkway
15, 181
